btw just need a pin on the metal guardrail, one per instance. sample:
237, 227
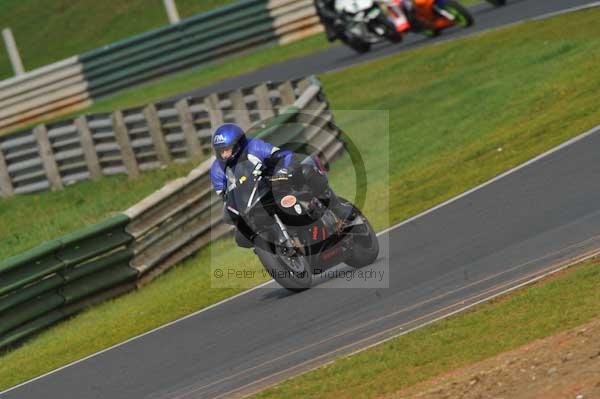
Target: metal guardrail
76, 82
48, 283
58, 278
133, 140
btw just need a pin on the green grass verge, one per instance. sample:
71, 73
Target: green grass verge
452, 106
49, 31
482, 332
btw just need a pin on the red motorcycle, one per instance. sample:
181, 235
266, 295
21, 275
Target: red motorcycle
369, 21
430, 17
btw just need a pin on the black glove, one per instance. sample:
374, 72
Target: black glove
282, 175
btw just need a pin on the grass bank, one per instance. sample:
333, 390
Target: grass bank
452, 106
49, 31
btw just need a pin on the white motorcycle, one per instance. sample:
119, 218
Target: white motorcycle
369, 21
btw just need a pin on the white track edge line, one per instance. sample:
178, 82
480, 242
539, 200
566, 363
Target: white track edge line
139, 336
568, 143
568, 10
432, 321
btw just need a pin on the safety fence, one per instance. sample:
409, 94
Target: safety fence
59, 278
74, 83
128, 141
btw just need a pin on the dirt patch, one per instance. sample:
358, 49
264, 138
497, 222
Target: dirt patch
566, 365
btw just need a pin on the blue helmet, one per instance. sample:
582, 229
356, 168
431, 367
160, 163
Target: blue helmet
228, 135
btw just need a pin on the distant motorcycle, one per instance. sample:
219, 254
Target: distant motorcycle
369, 21
433, 16
296, 234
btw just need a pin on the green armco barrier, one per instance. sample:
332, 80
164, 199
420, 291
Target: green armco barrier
209, 15
30, 271
131, 79
94, 240
29, 311
182, 46
226, 9
177, 37
26, 257
119, 220
31, 327
54, 256
39, 282
152, 61
122, 256
192, 41
30, 292
98, 281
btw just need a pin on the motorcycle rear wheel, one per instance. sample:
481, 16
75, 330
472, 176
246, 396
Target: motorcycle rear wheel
365, 249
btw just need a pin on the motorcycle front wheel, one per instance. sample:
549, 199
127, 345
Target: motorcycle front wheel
356, 43
295, 274
462, 16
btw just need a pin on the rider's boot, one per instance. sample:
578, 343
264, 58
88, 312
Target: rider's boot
330, 32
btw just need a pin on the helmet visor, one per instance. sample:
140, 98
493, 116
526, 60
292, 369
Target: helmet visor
225, 153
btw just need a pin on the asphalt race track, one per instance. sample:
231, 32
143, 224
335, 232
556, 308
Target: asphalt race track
538, 218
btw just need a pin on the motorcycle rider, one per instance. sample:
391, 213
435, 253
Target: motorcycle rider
334, 27
231, 145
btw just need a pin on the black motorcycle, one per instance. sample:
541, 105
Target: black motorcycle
295, 234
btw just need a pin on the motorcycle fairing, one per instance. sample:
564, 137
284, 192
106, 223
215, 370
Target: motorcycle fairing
353, 6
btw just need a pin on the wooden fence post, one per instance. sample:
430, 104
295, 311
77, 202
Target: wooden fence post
158, 138
214, 110
45, 149
304, 84
240, 109
188, 128
6, 187
122, 137
263, 101
286, 91
88, 147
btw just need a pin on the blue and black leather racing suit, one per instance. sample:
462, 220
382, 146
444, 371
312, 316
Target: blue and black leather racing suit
256, 151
